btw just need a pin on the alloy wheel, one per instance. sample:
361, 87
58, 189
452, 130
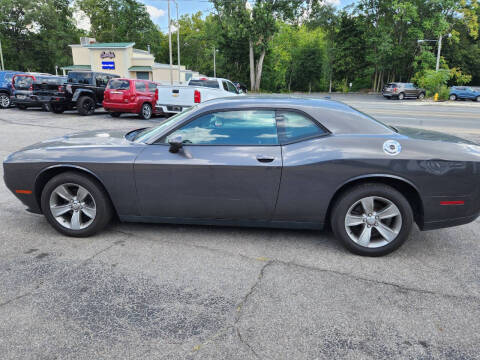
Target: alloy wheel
146, 111
73, 206
373, 222
4, 101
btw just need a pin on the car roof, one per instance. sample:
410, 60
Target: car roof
336, 116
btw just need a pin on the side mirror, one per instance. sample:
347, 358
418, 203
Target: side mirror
176, 144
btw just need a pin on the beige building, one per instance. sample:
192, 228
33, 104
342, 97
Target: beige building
124, 60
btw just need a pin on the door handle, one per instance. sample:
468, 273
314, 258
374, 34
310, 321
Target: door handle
265, 159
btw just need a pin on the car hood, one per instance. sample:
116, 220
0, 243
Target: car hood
86, 138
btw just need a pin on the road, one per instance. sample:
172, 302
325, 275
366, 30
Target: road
140, 291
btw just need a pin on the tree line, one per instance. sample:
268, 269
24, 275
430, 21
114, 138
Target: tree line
270, 45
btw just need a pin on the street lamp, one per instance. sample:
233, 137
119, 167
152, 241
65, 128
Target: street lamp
178, 41
214, 63
438, 50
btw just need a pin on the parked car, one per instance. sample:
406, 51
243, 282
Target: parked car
83, 91
28, 89
241, 87
174, 99
131, 96
6, 87
256, 161
464, 92
402, 91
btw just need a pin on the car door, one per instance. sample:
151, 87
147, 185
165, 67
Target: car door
140, 92
101, 81
229, 168
410, 90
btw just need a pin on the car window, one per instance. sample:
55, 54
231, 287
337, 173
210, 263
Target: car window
232, 88
23, 82
225, 86
245, 127
207, 83
152, 87
140, 86
293, 126
79, 77
118, 84
8, 77
101, 80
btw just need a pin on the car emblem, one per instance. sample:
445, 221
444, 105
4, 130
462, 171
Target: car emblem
392, 147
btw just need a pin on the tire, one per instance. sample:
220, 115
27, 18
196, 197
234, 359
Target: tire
4, 101
115, 114
401, 96
89, 218
145, 111
21, 106
57, 108
85, 105
453, 97
477, 99
421, 96
396, 227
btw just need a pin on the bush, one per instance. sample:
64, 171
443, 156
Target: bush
434, 81
443, 93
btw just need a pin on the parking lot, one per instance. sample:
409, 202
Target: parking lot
146, 291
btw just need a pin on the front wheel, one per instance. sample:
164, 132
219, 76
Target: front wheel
421, 96
146, 111
453, 97
4, 101
75, 205
372, 219
86, 105
477, 99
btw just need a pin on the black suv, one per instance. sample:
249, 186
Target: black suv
401, 91
83, 91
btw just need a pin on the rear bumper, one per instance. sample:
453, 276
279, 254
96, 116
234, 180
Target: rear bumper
27, 101
432, 225
169, 108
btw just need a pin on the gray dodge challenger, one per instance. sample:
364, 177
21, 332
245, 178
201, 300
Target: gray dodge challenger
256, 161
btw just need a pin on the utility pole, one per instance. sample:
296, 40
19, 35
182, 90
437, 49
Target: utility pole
1, 55
178, 42
214, 65
438, 53
170, 43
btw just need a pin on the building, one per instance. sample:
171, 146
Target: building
123, 59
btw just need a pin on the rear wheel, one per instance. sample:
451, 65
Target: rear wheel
146, 111
57, 108
372, 219
4, 101
115, 114
401, 96
453, 97
75, 205
86, 105
477, 99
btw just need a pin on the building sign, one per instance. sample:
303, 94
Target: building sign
108, 65
107, 54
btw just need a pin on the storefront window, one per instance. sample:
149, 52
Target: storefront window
143, 75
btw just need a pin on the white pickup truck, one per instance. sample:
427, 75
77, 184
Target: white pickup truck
176, 98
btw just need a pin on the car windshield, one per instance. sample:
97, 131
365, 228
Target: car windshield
153, 132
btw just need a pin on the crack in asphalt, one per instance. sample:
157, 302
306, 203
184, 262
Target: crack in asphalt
37, 125
313, 268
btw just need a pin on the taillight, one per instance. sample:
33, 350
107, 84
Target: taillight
156, 95
106, 95
395, 89
197, 98
61, 89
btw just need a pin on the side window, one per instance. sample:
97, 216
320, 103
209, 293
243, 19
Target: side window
140, 86
225, 86
246, 127
293, 126
101, 80
152, 87
232, 88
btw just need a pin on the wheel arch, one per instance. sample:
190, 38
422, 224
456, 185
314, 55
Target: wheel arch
52, 171
404, 186
84, 92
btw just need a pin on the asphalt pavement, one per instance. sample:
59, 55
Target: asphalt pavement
145, 291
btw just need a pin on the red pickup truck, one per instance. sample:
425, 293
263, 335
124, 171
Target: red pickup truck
130, 96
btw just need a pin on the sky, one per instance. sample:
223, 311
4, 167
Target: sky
158, 9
